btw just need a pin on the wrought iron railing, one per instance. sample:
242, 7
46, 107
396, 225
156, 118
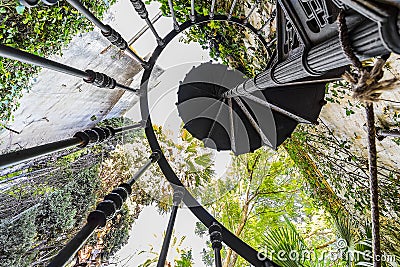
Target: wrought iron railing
308, 54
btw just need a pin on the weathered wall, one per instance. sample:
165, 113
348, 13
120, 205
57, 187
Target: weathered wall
348, 118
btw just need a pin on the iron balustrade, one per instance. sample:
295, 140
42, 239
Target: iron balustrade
104, 211
142, 11
176, 201
80, 139
216, 242
98, 79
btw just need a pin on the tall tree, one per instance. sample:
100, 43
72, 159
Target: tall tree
268, 188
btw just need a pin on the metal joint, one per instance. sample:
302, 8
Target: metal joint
115, 38
108, 207
84, 137
178, 195
215, 232
100, 80
155, 156
140, 8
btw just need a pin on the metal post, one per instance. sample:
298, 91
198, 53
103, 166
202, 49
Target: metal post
232, 125
192, 11
105, 210
130, 127
16, 54
171, 10
74, 245
80, 139
89, 76
216, 242
373, 186
112, 35
232, 9
212, 9
177, 198
142, 11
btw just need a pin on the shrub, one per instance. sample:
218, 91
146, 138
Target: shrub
16, 237
55, 214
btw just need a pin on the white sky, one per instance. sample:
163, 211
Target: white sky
149, 227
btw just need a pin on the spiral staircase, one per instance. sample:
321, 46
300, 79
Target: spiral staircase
220, 106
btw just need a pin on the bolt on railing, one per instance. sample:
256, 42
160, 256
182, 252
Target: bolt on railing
80, 139
104, 211
98, 79
177, 199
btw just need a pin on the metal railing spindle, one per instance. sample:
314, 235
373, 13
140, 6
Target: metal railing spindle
80, 139
215, 232
268, 21
177, 198
232, 9
256, 3
98, 79
252, 121
172, 11
192, 11
212, 9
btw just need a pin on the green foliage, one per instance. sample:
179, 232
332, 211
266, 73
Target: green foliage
338, 180
83, 189
226, 42
285, 238
41, 30
118, 235
185, 260
268, 189
59, 214
55, 215
17, 237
